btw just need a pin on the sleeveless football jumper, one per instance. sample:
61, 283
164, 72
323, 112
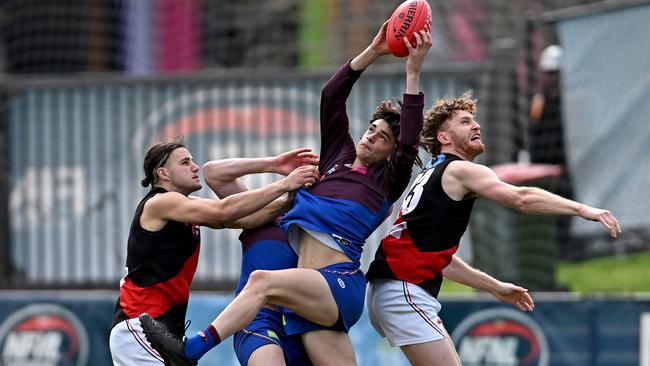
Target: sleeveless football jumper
160, 266
426, 232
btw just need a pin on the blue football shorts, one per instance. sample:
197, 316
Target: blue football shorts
265, 329
348, 286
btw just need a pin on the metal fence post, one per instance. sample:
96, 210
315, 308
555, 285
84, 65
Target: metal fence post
5, 252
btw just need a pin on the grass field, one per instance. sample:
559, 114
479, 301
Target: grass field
616, 274
628, 273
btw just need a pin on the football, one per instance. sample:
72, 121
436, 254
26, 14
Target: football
408, 18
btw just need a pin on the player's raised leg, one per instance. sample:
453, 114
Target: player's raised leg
302, 290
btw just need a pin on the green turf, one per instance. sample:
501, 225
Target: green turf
615, 274
451, 287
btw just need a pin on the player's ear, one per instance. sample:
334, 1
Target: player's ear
162, 173
442, 137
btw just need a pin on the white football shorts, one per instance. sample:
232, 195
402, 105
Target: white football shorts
404, 313
129, 347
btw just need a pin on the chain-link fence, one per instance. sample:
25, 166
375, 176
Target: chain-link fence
88, 84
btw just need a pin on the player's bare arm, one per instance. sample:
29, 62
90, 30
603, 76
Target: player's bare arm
263, 216
459, 271
211, 213
376, 49
464, 179
416, 59
222, 175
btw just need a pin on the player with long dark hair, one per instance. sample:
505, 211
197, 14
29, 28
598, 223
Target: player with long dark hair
329, 222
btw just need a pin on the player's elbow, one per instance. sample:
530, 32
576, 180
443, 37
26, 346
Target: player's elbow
210, 171
326, 92
524, 199
245, 223
329, 93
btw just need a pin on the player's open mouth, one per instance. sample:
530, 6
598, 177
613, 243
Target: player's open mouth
475, 138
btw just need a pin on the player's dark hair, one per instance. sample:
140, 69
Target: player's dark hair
389, 114
439, 114
156, 157
392, 117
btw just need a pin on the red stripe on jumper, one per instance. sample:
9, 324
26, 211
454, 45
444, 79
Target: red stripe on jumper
157, 299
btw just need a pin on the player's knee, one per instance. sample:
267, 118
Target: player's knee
259, 282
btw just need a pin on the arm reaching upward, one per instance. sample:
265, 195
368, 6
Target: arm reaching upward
375, 50
411, 118
335, 136
416, 59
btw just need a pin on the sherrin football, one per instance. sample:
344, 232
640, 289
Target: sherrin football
408, 18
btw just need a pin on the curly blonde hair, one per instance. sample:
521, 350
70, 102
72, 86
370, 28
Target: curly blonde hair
441, 112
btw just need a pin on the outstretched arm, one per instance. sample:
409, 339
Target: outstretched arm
212, 213
264, 216
461, 272
222, 176
465, 178
334, 122
375, 50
